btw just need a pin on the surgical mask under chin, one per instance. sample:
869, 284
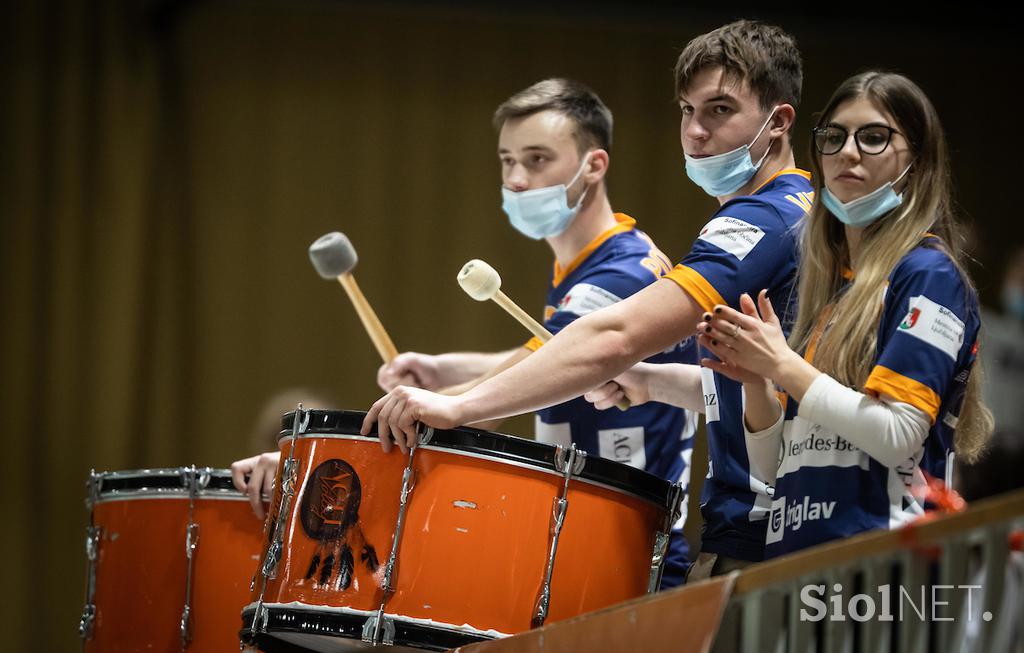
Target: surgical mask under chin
724, 174
542, 212
864, 210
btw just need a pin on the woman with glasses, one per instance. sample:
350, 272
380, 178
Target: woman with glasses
879, 384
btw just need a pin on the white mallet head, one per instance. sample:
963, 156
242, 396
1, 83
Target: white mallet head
479, 280
333, 255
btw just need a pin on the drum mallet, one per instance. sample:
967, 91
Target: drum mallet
334, 258
482, 282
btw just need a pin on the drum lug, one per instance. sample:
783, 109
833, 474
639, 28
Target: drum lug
379, 629
86, 622
301, 424
563, 456
674, 504
657, 561
92, 554
426, 436
185, 627
93, 486
270, 560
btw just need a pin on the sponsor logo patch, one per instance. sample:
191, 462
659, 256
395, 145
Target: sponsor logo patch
776, 521
586, 298
734, 236
624, 445
935, 324
707, 382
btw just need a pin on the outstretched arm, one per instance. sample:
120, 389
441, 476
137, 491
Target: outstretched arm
588, 352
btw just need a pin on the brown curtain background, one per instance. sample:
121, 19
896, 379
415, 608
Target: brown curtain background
166, 165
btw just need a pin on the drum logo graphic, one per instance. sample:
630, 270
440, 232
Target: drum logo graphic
330, 515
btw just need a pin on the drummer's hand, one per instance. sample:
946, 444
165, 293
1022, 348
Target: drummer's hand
631, 384
409, 368
399, 411
261, 470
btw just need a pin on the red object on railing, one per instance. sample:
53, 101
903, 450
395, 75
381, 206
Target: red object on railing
938, 500
1016, 540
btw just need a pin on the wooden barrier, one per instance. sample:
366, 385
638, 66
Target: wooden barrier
682, 620
757, 610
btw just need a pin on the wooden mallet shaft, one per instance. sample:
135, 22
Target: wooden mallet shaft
482, 282
334, 258
381, 340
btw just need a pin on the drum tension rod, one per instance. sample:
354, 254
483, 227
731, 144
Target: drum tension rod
197, 480
93, 535
272, 554
378, 629
568, 461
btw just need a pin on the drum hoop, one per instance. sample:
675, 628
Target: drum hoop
311, 613
515, 451
137, 483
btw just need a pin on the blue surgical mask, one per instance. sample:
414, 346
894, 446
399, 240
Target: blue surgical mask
724, 174
864, 210
542, 212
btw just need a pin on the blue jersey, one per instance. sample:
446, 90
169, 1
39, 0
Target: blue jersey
827, 488
748, 245
654, 437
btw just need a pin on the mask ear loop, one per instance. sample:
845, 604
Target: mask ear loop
586, 160
903, 174
764, 156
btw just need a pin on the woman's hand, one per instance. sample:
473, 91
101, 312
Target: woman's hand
748, 344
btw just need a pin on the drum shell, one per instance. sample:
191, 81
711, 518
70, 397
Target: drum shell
141, 571
476, 538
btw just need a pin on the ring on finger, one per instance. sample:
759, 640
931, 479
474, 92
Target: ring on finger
736, 331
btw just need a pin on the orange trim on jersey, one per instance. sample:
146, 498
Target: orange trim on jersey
786, 171
882, 380
625, 223
819, 329
696, 286
534, 343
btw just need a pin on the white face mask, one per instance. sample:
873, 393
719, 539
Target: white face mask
543, 212
724, 174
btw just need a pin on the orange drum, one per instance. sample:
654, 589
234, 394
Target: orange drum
170, 556
473, 535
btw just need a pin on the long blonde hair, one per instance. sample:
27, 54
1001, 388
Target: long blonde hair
846, 350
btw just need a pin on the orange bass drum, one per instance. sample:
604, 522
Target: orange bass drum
170, 557
472, 536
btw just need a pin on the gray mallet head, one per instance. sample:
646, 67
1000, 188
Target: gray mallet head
333, 255
479, 280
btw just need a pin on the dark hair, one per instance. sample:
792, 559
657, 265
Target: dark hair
763, 56
593, 120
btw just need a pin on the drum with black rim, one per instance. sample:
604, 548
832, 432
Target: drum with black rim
474, 535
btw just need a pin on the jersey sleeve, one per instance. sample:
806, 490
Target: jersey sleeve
927, 332
744, 248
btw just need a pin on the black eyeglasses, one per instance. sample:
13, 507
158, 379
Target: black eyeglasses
870, 139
